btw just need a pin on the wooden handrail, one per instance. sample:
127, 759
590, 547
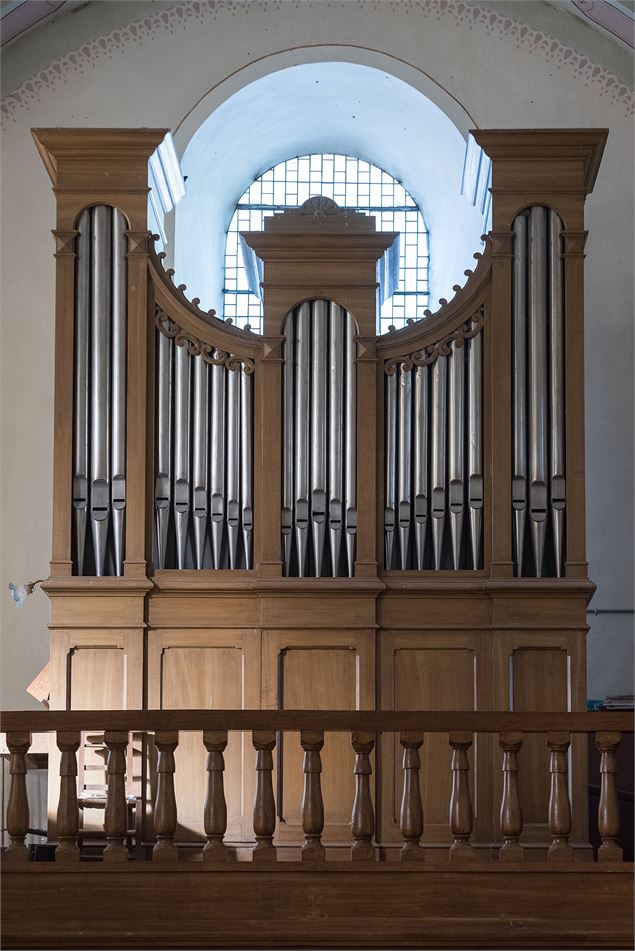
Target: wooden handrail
373, 721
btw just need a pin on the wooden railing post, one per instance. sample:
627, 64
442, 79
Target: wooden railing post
312, 742
18, 805
411, 805
363, 817
215, 815
116, 814
511, 817
608, 811
461, 817
559, 805
165, 804
264, 806
67, 809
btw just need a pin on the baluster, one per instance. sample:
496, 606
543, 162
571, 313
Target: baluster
511, 817
264, 806
165, 803
67, 809
363, 818
18, 805
116, 815
312, 742
608, 811
411, 805
215, 815
461, 818
559, 805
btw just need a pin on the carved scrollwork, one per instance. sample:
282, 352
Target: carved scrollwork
430, 353
198, 348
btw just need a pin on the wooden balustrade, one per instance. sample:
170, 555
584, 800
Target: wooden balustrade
264, 806
558, 809
18, 805
215, 815
165, 803
411, 816
363, 816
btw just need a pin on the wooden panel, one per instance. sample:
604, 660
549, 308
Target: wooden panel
167, 610
427, 671
208, 670
97, 678
321, 671
539, 682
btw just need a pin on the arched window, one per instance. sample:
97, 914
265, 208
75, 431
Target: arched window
354, 184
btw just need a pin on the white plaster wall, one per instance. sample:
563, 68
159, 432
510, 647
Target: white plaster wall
155, 77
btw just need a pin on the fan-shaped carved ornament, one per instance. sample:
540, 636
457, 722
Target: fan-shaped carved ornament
198, 348
430, 353
318, 206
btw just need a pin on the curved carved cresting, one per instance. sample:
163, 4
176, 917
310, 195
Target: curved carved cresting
198, 348
428, 354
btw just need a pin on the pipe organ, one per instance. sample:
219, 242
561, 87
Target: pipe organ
319, 517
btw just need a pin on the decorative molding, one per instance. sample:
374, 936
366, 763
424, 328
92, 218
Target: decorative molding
430, 354
318, 206
138, 242
501, 243
178, 17
65, 243
197, 348
574, 243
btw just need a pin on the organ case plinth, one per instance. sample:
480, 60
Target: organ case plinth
319, 517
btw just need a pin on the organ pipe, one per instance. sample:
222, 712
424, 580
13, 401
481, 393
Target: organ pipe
217, 463
404, 441
439, 402
391, 466
538, 410
163, 478
421, 443
319, 441
455, 461
246, 474
233, 465
99, 402
475, 450
199, 462
182, 424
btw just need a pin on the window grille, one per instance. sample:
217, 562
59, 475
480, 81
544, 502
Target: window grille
355, 185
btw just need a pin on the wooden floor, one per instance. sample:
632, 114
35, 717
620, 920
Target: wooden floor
338, 906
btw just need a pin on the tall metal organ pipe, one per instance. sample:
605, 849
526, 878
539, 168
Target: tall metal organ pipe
319, 441
538, 411
434, 460
99, 411
204, 460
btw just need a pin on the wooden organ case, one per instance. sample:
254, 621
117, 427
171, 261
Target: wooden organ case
317, 517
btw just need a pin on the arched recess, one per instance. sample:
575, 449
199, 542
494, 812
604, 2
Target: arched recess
326, 105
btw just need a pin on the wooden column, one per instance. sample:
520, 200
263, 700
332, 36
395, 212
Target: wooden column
363, 817
68, 809
312, 742
559, 805
165, 803
215, 816
461, 817
18, 805
511, 817
411, 805
609, 810
264, 805
116, 815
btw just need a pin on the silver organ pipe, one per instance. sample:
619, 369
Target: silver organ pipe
101, 330
538, 394
519, 386
199, 458
319, 441
404, 442
233, 465
455, 456
439, 406
336, 432
99, 409
475, 445
350, 443
391, 466
182, 424
318, 431
538, 382
420, 445
119, 330
557, 472
288, 467
163, 478
217, 463
81, 378
302, 372
246, 463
